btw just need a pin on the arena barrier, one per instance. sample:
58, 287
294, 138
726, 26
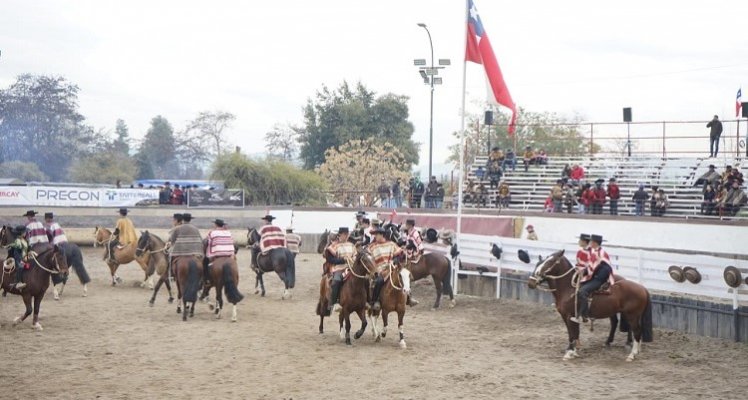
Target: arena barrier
709, 307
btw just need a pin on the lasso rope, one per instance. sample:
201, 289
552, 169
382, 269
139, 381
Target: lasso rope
392, 281
349, 265
38, 264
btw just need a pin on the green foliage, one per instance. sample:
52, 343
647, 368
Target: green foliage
121, 143
107, 167
269, 182
25, 171
336, 117
40, 122
158, 148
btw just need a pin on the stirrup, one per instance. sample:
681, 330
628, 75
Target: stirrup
336, 308
575, 320
19, 285
377, 306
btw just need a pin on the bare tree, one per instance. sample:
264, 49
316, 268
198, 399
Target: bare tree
282, 141
209, 125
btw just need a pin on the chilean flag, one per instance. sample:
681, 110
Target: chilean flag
737, 102
478, 50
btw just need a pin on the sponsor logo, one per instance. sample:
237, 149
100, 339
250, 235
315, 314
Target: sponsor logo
9, 193
67, 195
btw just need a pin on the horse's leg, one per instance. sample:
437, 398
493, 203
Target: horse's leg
613, 327
384, 315
636, 328
573, 331
219, 300
259, 284
284, 278
179, 296
347, 327
438, 287
161, 280
341, 319
113, 272
27, 303
37, 302
361, 315
400, 328
165, 278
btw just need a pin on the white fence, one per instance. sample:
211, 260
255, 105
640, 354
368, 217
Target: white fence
649, 268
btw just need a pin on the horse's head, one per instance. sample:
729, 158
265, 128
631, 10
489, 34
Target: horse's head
6, 236
101, 235
252, 236
401, 277
365, 259
547, 268
59, 259
144, 243
323, 241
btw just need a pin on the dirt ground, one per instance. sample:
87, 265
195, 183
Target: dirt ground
111, 345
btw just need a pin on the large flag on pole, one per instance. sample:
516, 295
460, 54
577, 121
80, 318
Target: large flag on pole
478, 50
737, 102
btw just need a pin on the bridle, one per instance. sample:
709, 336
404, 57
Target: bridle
147, 248
359, 258
541, 277
55, 271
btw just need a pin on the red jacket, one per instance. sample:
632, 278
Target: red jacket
599, 194
588, 197
577, 173
614, 192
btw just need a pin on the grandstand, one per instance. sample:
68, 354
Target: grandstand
676, 176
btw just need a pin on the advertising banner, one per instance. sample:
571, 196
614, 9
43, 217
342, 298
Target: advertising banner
215, 198
75, 197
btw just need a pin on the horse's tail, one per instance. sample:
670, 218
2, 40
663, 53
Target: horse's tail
646, 321
447, 278
232, 292
193, 282
75, 260
290, 269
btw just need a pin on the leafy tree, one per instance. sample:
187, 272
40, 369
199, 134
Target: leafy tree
25, 171
269, 181
282, 141
158, 149
335, 117
209, 127
121, 143
358, 166
106, 167
40, 123
143, 169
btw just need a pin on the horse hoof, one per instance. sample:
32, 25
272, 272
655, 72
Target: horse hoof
38, 327
57, 298
403, 345
629, 358
218, 315
216, 311
16, 321
179, 310
150, 304
434, 308
257, 291
171, 300
452, 304
378, 339
358, 335
263, 294
383, 334
348, 342
211, 307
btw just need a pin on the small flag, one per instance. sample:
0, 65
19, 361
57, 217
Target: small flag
738, 103
478, 50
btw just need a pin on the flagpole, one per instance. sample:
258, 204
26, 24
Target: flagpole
462, 129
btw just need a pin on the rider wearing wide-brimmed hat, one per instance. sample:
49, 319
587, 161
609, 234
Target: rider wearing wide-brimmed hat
55, 234
383, 252
219, 243
413, 240
601, 272
35, 232
293, 241
17, 250
124, 233
583, 254
340, 254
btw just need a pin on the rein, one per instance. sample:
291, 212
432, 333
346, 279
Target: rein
350, 263
556, 277
392, 281
38, 264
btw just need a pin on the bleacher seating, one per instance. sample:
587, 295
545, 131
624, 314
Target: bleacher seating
676, 176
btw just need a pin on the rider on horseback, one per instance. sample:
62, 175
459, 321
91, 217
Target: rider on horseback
293, 241
339, 253
17, 251
271, 237
124, 233
601, 272
413, 240
220, 243
185, 240
384, 252
55, 234
583, 254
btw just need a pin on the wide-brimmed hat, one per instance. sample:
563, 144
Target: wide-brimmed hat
431, 235
375, 221
692, 275
19, 230
446, 234
343, 229
365, 221
597, 239
268, 218
584, 236
30, 213
360, 213
410, 221
676, 273
178, 216
523, 256
289, 228
187, 217
219, 222
49, 215
123, 211
733, 277
711, 166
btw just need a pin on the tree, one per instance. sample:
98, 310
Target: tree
357, 167
557, 135
121, 143
25, 171
336, 117
40, 123
209, 127
282, 141
106, 167
269, 182
158, 149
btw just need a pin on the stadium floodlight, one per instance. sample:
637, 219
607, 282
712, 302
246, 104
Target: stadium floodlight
419, 61
444, 61
437, 80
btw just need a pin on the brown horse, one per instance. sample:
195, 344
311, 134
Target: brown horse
628, 298
151, 249
50, 261
224, 276
188, 274
393, 297
440, 269
124, 255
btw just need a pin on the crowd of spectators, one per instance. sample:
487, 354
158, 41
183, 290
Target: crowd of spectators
174, 194
414, 195
722, 193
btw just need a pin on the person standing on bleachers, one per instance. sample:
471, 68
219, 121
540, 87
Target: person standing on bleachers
653, 201
528, 157
480, 173
504, 195
598, 198
569, 197
614, 193
639, 198
494, 174
557, 196
715, 131
661, 203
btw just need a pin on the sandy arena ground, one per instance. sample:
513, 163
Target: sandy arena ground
111, 345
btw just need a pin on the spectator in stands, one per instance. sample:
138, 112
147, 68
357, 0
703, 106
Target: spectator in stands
416, 192
468, 196
541, 158
653, 201
548, 205
614, 193
598, 197
431, 192
480, 173
496, 155
397, 193
531, 235
661, 204
569, 197
528, 158
494, 174
504, 195
140, 186
482, 194
584, 194
439, 195
119, 184
566, 173
707, 205
577, 174
384, 192
509, 159
557, 196
735, 176
732, 202
177, 195
710, 177
639, 198
715, 131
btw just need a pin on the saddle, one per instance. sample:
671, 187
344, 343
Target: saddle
605, 288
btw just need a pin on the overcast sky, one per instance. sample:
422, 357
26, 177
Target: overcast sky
669, 60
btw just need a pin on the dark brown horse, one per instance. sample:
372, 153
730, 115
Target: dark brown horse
628, 298
151, 249
393, 297
440, 269
280, 260
224, 276
188, 274
49, 261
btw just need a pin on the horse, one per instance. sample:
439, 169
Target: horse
74, 259
628, 298
280, 260
224, 275
440, 269
151, 249
393, 297
124, 255
188, 274
50, 261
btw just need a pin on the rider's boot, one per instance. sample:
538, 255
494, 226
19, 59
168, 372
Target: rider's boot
336, 295
20, 284
206, 271
376, 306
581, 315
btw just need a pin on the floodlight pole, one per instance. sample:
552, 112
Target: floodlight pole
431, 112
